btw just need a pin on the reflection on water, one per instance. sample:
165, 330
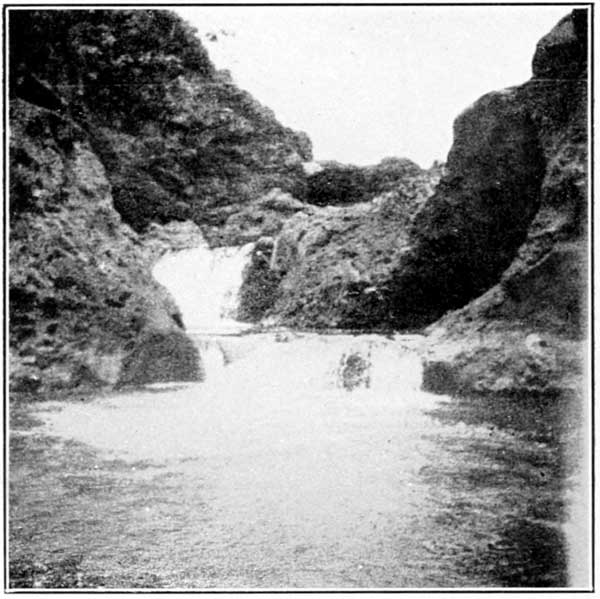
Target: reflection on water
276, 473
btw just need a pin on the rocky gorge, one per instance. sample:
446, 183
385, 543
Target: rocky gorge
124, 127
232, 366
500, 232
501, 225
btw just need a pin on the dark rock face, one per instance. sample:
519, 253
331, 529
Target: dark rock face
80, 294
515, 186
337, 184
161, 357
177, 138
261, 283
563, 52
469, 231
525, 334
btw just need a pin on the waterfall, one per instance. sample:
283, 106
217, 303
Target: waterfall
205, 284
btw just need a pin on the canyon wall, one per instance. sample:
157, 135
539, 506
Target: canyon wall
526, 334
509, 214
120, 124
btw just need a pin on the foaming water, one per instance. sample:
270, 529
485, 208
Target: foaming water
302, 461
312, 461
205, 284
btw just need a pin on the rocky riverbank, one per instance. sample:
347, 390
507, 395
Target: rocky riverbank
527, 334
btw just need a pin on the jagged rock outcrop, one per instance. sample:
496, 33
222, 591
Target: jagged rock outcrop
81, 296
330, 266
525, 334
515, 183
177, 138
510, 207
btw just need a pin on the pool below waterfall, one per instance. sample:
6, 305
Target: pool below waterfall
304, 460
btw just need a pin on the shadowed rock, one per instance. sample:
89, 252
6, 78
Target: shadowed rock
161, 357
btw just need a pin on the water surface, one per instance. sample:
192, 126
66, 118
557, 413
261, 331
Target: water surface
303, 461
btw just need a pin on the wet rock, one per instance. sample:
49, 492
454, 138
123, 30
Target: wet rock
354, 371
439, 377
260, 283
161, 357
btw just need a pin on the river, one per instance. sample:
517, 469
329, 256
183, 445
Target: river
303, 460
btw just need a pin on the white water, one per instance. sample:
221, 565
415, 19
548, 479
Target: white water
205, 284
288, 467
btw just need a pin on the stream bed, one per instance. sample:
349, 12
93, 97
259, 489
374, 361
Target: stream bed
304, 460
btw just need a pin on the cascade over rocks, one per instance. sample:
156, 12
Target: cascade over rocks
497, 234
119, 120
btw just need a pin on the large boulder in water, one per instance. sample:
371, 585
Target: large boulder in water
161, 356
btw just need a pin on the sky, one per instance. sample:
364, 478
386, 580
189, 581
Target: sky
366, 83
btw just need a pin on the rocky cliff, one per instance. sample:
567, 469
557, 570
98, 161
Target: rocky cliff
510, 209
120, 123
177, 138
83, 306
515, 187
525, 334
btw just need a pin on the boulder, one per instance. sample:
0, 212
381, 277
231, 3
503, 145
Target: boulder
161, 356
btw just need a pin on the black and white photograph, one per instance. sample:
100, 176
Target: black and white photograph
298, 297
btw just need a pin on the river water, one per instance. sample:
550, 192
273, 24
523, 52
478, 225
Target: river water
302, 461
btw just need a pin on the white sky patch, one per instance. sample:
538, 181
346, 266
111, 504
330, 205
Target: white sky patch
371, 82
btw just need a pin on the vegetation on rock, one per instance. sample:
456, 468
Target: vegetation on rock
177, 138
334, 263
339, 184
81, 294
